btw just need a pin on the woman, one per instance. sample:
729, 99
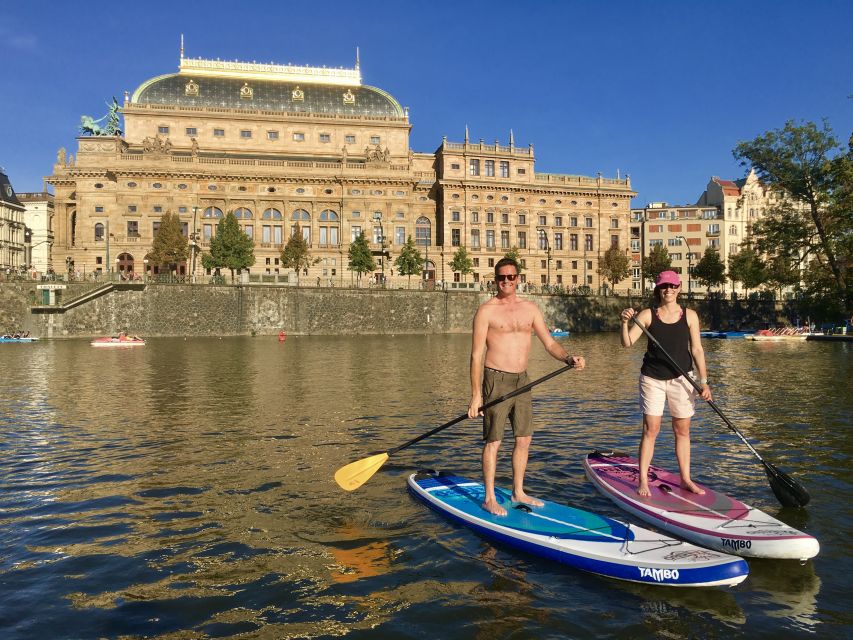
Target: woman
677, 330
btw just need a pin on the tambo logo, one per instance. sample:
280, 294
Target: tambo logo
736, 544
659, 574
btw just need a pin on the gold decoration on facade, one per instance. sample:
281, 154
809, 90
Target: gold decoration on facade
298, 95
349, 97
246, 92
191, 88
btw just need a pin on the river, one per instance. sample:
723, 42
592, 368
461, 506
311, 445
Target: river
185, 490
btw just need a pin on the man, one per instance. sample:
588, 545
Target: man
499, 353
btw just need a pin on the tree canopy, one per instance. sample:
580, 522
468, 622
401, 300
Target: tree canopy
746, 267
614, 266
230, 248
170, 245
295, 254
710, 271
409, 262
360, 259
462, 262
656, 262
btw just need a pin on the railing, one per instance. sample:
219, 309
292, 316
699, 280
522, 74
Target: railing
580, 180
291, 114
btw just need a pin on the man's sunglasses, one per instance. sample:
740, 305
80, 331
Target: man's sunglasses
669, 286
506, 276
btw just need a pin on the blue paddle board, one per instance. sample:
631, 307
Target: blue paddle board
578, 538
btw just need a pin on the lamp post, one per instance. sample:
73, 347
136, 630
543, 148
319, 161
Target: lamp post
145, 267
543, 235
117, 272
377, 216
689, 268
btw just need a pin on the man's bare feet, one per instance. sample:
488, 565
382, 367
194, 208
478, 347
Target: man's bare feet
692, 488
494, 508
643, 490
523, 498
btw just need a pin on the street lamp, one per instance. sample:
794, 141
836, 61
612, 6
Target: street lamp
689, 267
145, 267
193, 245
543, 236
377, 215
117, 273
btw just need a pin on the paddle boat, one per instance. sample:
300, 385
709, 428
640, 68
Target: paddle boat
560, 333
18, 338
121, 340
779, 335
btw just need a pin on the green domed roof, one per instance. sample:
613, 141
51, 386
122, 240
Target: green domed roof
266, 95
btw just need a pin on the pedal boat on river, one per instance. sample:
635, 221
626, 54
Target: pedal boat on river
121, 340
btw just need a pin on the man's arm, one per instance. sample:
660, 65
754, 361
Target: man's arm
478, 358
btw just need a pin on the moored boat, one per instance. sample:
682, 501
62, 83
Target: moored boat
18, 339
121, 340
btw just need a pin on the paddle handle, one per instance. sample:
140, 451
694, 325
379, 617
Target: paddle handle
491, 403
697, 387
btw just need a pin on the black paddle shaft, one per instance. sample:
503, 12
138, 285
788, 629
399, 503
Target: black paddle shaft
789, 492
491, 403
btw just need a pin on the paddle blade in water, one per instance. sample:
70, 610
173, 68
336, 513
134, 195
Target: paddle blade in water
355, 474
789, 492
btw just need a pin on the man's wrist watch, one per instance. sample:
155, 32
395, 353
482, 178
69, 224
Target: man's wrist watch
703, 381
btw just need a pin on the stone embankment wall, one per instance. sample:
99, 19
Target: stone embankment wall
196, 310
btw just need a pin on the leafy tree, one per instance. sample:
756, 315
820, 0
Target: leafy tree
656, 262
462, 262
781, 273
614, 266
170, 246
360, 259
295, 254
515, 254
746, 267
409, 262
797, 162
710, 271
230, 248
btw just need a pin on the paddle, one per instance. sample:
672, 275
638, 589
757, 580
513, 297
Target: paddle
788, 491
355, 474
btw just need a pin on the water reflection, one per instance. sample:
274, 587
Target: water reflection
186, 489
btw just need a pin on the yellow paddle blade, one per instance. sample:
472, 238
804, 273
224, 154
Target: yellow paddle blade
355, 474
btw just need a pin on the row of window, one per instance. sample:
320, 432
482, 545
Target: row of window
272, 134
489, 217
713, 228
521, 240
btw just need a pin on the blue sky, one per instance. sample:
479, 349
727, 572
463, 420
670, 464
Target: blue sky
662, 90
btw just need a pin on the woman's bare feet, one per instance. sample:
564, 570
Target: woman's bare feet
643, 490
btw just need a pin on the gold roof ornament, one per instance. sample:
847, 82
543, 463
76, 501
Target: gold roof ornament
298, 95
246, 92
191, 88
349, 97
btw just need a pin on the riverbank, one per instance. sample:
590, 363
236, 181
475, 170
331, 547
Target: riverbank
225, 310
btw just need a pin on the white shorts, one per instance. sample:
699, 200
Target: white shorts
677, 393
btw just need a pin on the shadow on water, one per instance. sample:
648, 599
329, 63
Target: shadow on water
185, 490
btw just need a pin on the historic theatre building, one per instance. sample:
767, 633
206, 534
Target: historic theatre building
313, 148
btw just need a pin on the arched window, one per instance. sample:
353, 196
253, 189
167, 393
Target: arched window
272, 214
328, 216
99, 232
733, 230
243, 214
300, 215
329, 233
423, 231
124, 263
212, 212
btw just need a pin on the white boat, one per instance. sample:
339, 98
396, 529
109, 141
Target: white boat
118, 341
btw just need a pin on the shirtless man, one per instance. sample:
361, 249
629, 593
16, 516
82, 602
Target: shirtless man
499, 352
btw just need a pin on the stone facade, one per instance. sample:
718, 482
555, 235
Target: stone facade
38, 218
12, 259
285, 146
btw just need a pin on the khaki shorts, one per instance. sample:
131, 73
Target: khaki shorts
519, 409
678, 393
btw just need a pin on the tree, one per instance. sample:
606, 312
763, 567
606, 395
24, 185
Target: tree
360, 259
746, 267
710, 271
656, 262
295, 254
409, 262
614, 266
515, 254
462, 262
170, 245
781, 273
230, 248
796, 161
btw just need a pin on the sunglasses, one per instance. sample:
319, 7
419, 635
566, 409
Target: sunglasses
669, 286
506, 276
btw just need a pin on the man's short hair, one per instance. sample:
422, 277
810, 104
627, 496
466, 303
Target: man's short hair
506, 262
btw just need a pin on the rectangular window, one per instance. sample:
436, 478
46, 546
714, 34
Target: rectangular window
490, 217
490, 238
400, 236
490, 168
272, 135
714, 228
325, 137
504, 169
558, 241
266, 234
349, 139
635, 245
587, 222
99, 209
614, 241
522, 239
587, 241
504, 239
355, 232
455, 235
182, 209
574, 221
377, 235
474, 167
521, 172
207, 232
522, 219
245, 133
454, 216
324, 236
559, 264
558, 221
219, 133
475, 238
573, 241
192, 131
674, 228
673, 242
614, 223
333, 237
249, 230
475, 216
185, 229
505, 218
155, 227
543, 220
656, 243
299, 137
455, 166
375, 139
163, 130
132, 228
131, 208
158, 209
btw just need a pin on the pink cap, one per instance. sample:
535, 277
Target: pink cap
668, 277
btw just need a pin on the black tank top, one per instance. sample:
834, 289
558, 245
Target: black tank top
675, 339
